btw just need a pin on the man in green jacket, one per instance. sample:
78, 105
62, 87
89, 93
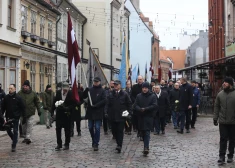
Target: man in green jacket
31, 102
224, 111
47, 101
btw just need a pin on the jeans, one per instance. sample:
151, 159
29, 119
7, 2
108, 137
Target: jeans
118, 128
174, 118
94, 128
14, 135
146, 138
185, 114
227, 133
160, 124
194, 116
27, 128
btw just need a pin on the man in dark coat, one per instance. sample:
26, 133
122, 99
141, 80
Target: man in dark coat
76, 115
146, 106
163, 109
95, 110
164, 86
117, 102
173, 97
136, 89
63, 115
186, 100
196, 103
14, 107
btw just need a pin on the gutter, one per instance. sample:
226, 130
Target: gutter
111, 43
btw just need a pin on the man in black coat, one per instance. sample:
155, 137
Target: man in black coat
186, 100
146, 107
117, 102
95, 110
14, 107
136, 89
163, 109
173, 97
63, 115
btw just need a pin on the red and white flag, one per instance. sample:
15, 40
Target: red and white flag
73, 58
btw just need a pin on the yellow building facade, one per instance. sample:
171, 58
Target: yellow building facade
38, 41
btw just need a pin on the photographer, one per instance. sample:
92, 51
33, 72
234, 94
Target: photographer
14, 107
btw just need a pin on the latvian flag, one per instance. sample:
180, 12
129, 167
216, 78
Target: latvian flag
73, 58
151, 68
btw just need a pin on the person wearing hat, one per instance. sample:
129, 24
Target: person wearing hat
146, 106
63, 115
224, 114
47, 101
31, 102
195, 104
95, 109
117, 102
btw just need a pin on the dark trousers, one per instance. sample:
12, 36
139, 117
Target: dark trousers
105, 124
78, 126
21, 130
146, 138
118, 128
67, 132
227, 133
135, 122
194, 116
14, 135
160, 123
128, 129
185, 115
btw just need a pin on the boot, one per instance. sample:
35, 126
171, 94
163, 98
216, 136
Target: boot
66, 147
229, 160
187, 131
79, 133
28, 141
221, 159
119, 148
180, 131
146, 151
96, 148
13, 148
58, 147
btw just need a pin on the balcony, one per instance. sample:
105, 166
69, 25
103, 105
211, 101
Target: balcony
34, 37
51, 44
25, 34
43, 41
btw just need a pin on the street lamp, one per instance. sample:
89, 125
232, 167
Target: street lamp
26, 65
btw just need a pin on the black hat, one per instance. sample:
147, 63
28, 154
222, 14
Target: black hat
26, 83
193, 81
97, 79
152, 80
229, 80
117, 82
145, 85
48, 86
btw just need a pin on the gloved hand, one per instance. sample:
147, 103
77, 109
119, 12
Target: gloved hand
106, 115
129, 117
39, 114
215, 123
23, 121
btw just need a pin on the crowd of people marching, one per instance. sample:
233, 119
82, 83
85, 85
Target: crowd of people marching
142, 108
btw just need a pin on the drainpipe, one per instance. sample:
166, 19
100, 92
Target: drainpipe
82, 47
111, 43
57, 41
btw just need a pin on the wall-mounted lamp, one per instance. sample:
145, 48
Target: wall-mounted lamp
26, 65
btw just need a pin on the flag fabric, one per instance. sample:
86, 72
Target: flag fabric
146, 73
123, 71
134, 73
170, 72
94, 69
151, 68
73, 58
138, 73
159, 72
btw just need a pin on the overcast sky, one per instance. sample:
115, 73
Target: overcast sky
172, 17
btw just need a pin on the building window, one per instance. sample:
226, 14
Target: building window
9, 23
41, 77
2, 71
59, 72
50, 30
65, 27
24, 18
79, 38
33, 22
65, 76
32, 74
59, 31
42, 26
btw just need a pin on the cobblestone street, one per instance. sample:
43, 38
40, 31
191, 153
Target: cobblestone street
199, 149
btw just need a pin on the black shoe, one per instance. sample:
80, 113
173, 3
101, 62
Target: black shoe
138, 135
129, 133
71, 135
96, 148
13, 148
105, 133
156, 133
180, 131
221, 159
141, 139
175, 127
58, 147
24, 141
79, 134
119, 148
125, 132
135, 130
114, 137
48, 127
146, 151
187, 131
192, 127
22, 136
28, 141
66, 147
229, 160
163, 132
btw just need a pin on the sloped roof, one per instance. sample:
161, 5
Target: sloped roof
162, 56
177, 56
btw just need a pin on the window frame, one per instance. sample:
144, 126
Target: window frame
24, 16
33, 22
42, 26
50, 30
9, 13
